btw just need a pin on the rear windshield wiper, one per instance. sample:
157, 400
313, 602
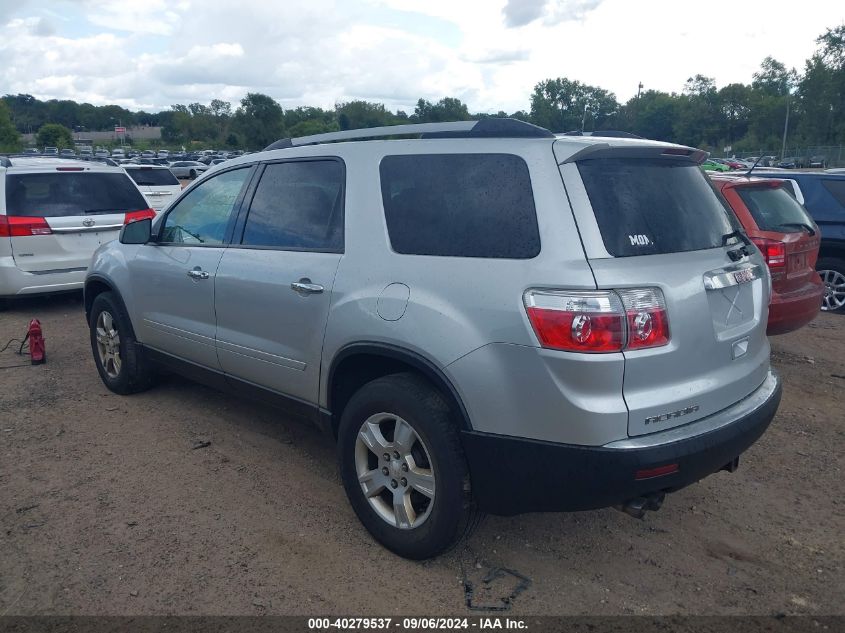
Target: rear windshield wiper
801, 225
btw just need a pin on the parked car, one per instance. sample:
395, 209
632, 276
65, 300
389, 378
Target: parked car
823, 195
158, 184
188, 168
470, 347
118, 154
792, 162
712, 165
67, 153
51, 151
788, 239
55, 212
817, 161
102, 153
31, 150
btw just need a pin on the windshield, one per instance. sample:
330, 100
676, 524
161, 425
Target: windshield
654, 206
71, 193
774, 209
152, 177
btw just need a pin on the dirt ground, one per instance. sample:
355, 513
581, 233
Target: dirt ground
106, 507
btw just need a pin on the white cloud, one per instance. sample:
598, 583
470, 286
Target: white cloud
153, 53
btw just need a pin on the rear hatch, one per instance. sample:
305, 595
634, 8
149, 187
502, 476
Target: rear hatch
788, 236
649, 218
158, 184
57, 219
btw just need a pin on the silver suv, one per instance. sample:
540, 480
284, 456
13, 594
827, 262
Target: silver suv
54, 213
488, 318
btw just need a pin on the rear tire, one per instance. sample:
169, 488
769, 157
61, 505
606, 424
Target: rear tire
418, 504
193, 174
832, 272
116, 354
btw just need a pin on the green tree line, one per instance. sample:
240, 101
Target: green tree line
745, 116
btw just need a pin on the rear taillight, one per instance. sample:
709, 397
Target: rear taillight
19, 226
774, 252
645, 310
598, 321
134, 216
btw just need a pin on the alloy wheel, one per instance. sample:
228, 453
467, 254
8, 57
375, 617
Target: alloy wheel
395, 470
834, 290
108, 344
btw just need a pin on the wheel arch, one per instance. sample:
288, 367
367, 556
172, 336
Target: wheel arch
358, 363
832, 248
96, 285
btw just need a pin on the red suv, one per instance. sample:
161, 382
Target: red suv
789, 240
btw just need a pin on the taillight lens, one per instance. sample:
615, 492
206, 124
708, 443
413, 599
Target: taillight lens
598, 321
774, 252
577, 321
645, 310
134, 216
19, 226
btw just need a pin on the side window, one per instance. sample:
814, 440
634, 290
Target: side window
201, 217
460, 205
836, 189
298, 206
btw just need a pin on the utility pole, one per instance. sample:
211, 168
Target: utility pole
584, 118
637, 107
785, 128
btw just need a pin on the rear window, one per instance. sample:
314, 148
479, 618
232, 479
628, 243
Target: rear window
152, 177
774, 209
836, 189
71, 193
654, 206
460, 205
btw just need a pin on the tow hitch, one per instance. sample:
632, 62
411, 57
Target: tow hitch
638, 506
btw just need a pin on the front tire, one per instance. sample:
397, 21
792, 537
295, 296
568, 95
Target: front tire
193, 174
403, 467
832, 272
116, 355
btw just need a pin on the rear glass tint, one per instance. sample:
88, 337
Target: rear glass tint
71, 193
654, 206
774, 209
460, 205
836, 189
152, 177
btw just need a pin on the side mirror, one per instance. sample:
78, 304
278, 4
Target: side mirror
137, 232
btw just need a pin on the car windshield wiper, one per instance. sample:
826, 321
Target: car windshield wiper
740, 235
801, 225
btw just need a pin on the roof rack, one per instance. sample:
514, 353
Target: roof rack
491, 127
603, 133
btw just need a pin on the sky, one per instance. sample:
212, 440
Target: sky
149, 54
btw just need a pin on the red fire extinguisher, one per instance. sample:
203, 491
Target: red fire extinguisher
37, 353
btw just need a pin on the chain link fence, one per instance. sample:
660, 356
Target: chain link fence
824, 156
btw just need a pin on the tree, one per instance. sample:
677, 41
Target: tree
773, 79
259, 120
560, 105
10, 139
354, 115
54, 135
447, 109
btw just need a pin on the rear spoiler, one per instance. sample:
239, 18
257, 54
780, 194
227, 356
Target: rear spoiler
606, 150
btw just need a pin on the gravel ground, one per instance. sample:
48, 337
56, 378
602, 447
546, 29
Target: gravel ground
107, 507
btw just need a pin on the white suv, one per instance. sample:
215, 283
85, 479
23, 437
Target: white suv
54, 213
158, 184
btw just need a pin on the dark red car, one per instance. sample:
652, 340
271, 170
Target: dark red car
789, 240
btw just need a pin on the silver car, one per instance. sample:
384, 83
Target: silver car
54, 213
488, 318
188, 168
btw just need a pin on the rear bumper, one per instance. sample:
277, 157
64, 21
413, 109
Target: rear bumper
512, 475
788, 312
15, 282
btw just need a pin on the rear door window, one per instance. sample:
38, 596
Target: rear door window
460, 205
64, 194
774, 209
654, 206
152, 177
298, 206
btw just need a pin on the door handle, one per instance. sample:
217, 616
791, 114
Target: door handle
197, 273
305, 287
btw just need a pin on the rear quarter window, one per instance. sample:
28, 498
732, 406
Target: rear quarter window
654, 206
460, 205
63, 194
